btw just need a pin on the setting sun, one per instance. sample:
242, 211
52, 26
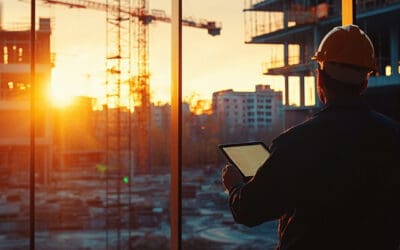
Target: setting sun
64, 87
59, 98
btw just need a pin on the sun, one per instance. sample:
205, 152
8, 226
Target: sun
60, 98
64, 87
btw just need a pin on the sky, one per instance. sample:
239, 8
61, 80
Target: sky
209, 63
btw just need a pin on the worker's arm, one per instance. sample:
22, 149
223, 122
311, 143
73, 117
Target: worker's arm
266, 196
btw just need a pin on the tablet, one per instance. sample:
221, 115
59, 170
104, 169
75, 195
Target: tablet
248, 157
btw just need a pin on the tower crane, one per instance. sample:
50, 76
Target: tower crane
141, 12
141, 84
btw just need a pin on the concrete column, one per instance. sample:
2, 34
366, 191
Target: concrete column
286, 54
286, 90
315, 38
302, 92
394, 48
286, 63
285, 17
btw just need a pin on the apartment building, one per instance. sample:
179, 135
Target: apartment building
252, 111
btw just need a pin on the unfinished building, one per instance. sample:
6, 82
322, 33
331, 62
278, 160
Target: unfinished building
299, 25
15, 96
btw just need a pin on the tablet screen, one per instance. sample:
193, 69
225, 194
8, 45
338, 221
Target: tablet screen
248, 157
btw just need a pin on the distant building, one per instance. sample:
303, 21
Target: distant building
15, 96
160, 114
253, 111
298, 26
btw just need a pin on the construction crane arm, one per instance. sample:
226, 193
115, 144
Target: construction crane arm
213, 28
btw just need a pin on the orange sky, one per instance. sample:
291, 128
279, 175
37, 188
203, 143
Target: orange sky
209, 63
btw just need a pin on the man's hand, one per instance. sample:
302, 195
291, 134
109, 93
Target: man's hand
231, 177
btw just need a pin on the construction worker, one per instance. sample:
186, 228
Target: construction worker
334, 180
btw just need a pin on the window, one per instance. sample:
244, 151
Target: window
5, 55
77, 199
20, 54
309, 90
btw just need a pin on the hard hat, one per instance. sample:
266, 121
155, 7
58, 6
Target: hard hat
347, 45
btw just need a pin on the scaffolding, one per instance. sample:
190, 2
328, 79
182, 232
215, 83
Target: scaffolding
117, 118
261, 18
141, 126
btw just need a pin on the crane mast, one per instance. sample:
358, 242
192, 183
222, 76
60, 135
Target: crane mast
118, 145
142, 91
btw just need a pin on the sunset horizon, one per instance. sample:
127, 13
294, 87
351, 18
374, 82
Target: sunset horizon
210, 63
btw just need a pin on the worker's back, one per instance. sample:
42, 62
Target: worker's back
347, 170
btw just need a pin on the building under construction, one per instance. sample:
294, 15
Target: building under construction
15, 94
299, 25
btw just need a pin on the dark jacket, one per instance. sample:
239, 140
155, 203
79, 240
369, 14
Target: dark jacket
333, 182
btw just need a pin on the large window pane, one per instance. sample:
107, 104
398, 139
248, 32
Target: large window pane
15, 96
228, 101
102, 162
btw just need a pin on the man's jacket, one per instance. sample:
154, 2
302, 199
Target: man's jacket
333, 182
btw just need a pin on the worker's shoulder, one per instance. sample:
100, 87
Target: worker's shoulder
300, 132
384, 120
385, 127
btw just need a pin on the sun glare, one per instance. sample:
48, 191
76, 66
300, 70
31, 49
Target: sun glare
59, 97
64, 88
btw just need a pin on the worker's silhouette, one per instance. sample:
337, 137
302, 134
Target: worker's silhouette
333, 181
